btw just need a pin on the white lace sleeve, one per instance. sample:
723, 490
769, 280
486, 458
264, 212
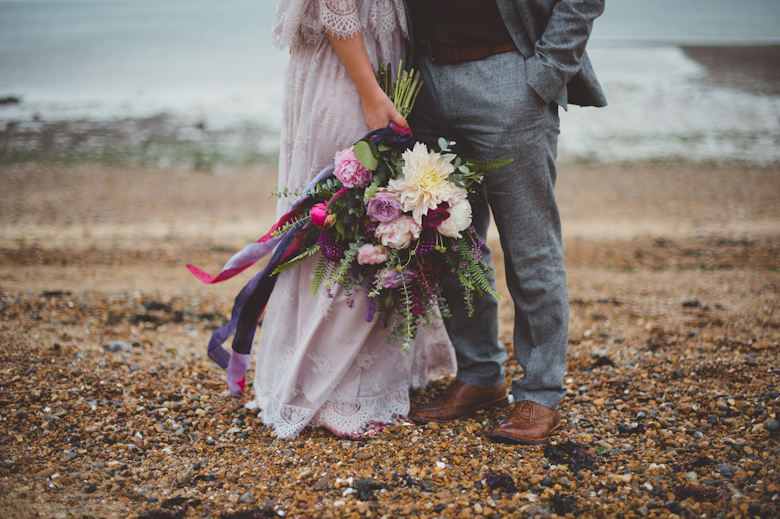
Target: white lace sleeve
300, 22
305, 21
340, 17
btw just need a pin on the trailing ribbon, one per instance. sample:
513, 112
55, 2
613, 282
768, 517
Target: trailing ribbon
252, 299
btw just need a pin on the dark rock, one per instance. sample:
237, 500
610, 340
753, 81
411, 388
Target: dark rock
710, 482
547, 482
772, 426
673, 506
21, 415
724, 470
151, 499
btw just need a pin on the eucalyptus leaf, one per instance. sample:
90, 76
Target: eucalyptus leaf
365, 156
463, 169
443, 144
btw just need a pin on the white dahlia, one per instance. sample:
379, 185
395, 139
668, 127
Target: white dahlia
424, 184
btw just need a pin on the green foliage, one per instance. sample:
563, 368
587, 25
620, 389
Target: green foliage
284, 267
321, 272
488, 165
327, 187
403, 89
367, 154
471, 272
342, 270
292, 223
279, 193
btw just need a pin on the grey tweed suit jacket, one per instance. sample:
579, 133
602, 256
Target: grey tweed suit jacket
551, 35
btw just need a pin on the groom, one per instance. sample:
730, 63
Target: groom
494, 74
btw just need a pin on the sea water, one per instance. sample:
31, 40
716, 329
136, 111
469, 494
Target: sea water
198, 82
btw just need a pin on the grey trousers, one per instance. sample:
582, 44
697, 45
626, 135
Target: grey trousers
489, 110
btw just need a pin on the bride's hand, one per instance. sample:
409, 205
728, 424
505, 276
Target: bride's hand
377, 107
380, 111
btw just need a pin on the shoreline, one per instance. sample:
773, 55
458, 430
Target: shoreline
753, 69
649, 117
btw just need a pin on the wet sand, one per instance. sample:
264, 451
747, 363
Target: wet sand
753, 69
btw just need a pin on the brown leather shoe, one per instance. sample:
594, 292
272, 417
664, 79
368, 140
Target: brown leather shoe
528, 422
460, 400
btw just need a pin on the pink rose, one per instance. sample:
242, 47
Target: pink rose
372, 254
321, 217
349, 170
399, 233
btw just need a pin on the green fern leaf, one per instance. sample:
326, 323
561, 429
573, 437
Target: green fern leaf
320, 273
284, 267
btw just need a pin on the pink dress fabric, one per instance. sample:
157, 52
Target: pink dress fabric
319, 362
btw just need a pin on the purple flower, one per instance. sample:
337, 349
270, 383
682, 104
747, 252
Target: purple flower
391, 278
384, 207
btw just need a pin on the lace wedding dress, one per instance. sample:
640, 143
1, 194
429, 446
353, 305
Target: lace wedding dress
319, 362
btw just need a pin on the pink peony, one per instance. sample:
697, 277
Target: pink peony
399, 233
372, 254
384, 207
321, 217
349, 170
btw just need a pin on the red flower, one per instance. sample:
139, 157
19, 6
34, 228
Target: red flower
436, 216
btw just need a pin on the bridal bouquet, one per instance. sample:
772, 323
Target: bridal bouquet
389, 216
392, 219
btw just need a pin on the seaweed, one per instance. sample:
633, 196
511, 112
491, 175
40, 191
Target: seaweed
503, 481
570, 453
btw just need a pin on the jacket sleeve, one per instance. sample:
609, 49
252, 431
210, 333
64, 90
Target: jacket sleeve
558, 52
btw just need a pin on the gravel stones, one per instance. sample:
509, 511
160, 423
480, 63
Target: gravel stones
247, 499
148, 431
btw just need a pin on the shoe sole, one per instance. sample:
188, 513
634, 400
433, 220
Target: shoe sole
501, 402
506, 438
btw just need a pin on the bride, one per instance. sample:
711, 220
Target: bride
319, 362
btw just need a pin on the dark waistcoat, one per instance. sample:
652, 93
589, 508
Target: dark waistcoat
458, 22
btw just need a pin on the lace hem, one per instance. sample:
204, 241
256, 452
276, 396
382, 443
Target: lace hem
342, 418
299, 22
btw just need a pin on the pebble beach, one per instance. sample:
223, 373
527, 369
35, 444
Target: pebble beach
110, 408
161, 152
